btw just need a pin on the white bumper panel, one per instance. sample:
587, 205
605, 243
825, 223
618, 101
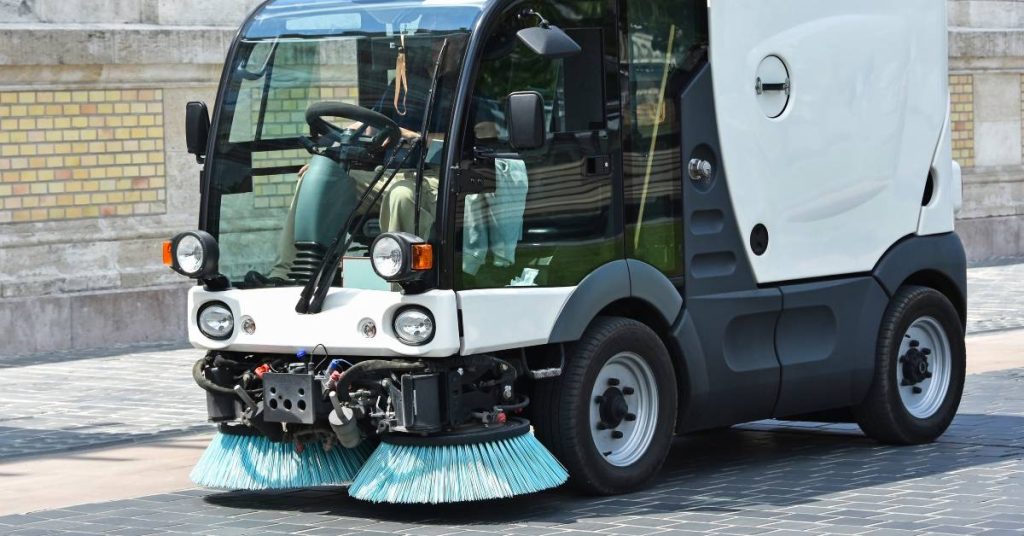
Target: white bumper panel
506, 318
279, 329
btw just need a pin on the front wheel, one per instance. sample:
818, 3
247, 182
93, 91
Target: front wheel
919, 370
610, 417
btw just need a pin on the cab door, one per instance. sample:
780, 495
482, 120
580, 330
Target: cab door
552, 214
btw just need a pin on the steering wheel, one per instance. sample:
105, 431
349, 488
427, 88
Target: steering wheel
354, 146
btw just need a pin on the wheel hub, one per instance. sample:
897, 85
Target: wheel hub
613, 408
915, 364
624, 409
924, 369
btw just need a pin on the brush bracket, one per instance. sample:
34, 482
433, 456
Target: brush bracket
293, 398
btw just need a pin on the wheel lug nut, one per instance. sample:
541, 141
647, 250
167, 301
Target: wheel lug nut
614, 382
926, 351
630, 417
602, 426
917, 390
915, 344
616, 435
628, 390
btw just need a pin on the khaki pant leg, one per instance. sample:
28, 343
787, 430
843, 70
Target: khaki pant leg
398, 208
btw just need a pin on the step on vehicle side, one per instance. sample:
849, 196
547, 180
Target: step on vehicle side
453, 251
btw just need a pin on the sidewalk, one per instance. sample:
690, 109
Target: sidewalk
995, 298
55, 406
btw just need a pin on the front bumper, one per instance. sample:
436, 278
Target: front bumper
280, 330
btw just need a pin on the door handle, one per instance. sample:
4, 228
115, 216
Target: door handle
594, 166
762, 87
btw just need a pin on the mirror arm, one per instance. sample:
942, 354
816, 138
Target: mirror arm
533, 13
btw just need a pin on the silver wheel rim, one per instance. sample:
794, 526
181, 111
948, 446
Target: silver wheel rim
924, 381
623, 442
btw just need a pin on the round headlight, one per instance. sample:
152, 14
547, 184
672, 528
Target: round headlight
388, 257
216, 321
414, 326
190, 254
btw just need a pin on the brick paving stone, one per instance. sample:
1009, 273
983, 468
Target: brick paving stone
995, 294
103, 400
767, 479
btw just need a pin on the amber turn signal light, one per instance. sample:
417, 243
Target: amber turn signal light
422, 257
168, 253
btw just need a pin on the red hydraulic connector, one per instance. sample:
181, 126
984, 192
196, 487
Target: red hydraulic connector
261, 370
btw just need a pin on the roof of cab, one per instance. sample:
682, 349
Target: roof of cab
270, 19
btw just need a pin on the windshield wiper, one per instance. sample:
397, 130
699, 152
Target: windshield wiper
315, 292
427, 116
311, 300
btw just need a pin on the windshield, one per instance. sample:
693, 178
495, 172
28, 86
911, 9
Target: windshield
326, 104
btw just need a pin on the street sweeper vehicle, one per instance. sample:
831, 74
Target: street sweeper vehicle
454, 250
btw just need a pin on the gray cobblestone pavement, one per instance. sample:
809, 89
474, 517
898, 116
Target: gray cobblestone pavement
782, 482
67, 403
995, 298
97, 407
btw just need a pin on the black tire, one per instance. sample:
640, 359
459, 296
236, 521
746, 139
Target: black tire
882, 415
561, 408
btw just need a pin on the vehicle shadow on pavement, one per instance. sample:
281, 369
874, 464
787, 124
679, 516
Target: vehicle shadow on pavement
22, 443
718, 472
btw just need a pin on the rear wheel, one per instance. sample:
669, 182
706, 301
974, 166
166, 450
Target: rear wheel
919, 370
610, 417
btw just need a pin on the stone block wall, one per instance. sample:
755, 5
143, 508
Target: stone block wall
93, 169
987, 92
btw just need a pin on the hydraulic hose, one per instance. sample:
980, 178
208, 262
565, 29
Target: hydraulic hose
207, 385
365, 368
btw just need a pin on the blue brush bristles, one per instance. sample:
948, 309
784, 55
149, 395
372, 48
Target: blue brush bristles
436, 474
252, 462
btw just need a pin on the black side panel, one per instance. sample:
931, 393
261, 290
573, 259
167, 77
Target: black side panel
728, 319
650, 285
826, 343
604, 286
716, 252
941, 255
733, 334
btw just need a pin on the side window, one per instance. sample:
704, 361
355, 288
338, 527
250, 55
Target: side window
548, 221
666, 43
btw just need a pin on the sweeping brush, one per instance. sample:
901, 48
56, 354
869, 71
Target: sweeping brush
488, 463
252, 462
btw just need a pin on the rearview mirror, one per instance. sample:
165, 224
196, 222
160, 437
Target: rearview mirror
525, 117
197, 129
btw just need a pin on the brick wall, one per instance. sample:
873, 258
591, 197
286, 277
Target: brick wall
286, 117
67, 155
961, 89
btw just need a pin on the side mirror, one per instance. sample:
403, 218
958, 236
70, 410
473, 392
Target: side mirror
197, 129
547, 39
524, 114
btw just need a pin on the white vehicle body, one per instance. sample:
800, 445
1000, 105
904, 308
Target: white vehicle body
838, 177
